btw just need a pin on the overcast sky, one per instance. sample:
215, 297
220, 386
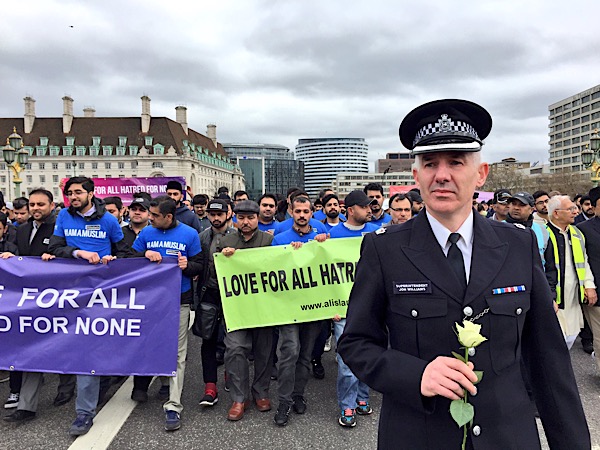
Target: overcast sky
276, 71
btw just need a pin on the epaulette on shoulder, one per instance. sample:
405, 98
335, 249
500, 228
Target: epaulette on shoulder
381, 230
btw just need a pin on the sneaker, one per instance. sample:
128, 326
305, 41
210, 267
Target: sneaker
164, 393
347, 418
139, 395
210, 395
12, 401
172, 420
318, 369
364, 409
299, 404
328, 344
282, 414
81, 425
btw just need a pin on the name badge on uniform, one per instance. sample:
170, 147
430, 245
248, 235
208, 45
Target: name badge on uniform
46, 241
506, 290
412, 287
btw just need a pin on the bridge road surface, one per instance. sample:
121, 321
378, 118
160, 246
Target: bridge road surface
123, 424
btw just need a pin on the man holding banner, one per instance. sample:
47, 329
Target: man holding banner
296, 341
240, 343
168, 238
85, 230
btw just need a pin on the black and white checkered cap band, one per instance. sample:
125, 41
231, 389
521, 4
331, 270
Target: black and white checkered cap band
446, 125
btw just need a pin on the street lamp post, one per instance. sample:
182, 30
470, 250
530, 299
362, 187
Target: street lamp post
590, 156
15, 157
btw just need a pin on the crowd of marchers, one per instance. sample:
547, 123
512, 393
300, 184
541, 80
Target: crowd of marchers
567, 231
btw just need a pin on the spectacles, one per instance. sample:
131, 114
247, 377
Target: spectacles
542, 202
401, 209
571, 209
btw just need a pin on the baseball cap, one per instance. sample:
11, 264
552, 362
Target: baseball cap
502, 196
217, 205
524, 197
358, 197
140, 202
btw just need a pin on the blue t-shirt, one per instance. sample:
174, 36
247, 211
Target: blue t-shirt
385, 218
287, 225
94, 235
328, 226
168, 243
289, 236
342, 231
268, 227
320, 215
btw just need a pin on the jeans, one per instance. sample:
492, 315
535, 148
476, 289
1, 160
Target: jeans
350, 390
88, 388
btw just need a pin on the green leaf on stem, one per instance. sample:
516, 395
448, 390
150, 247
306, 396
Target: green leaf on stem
462, 412
459, 357
479, 374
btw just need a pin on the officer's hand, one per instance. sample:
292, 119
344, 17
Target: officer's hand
91, 257
446, 377
555, 307
153, 256
591, 296
181, 261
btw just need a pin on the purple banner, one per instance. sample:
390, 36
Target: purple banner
126, 188
69, 316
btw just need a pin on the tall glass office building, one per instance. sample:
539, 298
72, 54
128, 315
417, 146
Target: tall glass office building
324, 158
267, 168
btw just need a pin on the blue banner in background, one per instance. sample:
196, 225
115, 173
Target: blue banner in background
69, 316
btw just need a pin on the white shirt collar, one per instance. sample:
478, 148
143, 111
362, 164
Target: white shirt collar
442, 233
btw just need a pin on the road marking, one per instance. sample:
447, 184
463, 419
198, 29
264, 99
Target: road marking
109, 420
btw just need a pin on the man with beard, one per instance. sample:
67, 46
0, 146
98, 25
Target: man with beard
86, 231
288, 224
114, 205
208, 292
139, 216
331, 208
33, 238
266, 215
520, 207
296, 341
184, 214
587, 210
401, 209
240, 344
375, 192
359, 208
156, 243
540, 203
199, 202
417, 201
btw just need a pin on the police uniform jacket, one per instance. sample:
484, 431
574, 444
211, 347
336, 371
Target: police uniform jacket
403, 309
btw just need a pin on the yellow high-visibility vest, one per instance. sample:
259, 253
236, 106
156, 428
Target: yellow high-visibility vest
577, 246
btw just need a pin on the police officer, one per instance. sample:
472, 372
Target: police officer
416, 280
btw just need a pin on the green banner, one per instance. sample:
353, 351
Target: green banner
280, 285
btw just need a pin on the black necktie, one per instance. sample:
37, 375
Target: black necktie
455, 258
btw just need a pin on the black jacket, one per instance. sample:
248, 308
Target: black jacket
591, 231
58, 244
41, 240
392, 334
184, 215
